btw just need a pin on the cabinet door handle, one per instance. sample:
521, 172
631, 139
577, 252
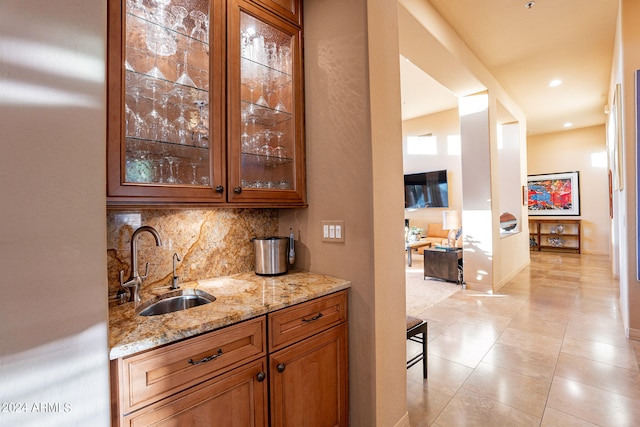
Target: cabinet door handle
219, 189
261, 376
237, 190
206, 359
314, 318
281, 367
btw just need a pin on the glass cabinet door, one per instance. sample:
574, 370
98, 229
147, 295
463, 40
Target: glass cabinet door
265, 135
205, 104
168, 145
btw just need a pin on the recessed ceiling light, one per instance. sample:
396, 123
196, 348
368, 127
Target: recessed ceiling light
555, 82
529, 4
568, 124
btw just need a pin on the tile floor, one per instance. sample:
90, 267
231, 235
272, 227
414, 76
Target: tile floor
547, 350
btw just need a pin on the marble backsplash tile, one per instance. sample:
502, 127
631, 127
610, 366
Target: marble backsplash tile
210, 242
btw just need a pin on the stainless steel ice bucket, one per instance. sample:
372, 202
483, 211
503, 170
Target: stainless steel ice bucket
271, 255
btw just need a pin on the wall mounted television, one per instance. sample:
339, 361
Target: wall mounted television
426, 190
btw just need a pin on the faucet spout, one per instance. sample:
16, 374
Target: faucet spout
135, 279
134, 246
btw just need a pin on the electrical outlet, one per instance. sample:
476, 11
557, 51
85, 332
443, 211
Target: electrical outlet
333, 231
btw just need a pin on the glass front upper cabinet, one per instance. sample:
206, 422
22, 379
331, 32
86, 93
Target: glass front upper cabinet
265, 153
205, 104
167, 144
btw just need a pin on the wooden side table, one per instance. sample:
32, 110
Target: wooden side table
443, 264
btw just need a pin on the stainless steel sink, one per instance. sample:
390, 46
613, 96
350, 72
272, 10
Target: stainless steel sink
174, 301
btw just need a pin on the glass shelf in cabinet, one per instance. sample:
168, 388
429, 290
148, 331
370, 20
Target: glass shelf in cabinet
248, 65
260, 184
140, 75
152, 145
261, 159
265, 116
145, 20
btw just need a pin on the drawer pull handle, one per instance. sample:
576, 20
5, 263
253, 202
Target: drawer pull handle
206, 359
314, 318
261, 376
281, 367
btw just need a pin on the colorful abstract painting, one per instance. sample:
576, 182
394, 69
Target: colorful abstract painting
553, 194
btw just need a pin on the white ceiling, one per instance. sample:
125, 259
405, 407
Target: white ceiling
524, 49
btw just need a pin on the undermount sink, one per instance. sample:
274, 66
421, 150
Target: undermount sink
174, 301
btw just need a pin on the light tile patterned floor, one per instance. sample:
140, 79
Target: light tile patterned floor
547, 350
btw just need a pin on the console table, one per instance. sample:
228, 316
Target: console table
443, 264
560, 235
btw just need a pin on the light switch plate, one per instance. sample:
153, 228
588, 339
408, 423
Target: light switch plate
333, 231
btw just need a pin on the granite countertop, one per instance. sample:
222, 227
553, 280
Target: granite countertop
239, 297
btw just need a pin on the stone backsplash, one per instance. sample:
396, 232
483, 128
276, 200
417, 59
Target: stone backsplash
209, 242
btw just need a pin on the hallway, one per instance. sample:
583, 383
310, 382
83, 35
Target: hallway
547, 350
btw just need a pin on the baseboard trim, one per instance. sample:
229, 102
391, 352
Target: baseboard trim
478, 287
596, 252
404, 421
510, 276
633, 334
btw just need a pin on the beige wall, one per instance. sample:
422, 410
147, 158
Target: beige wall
629, 229
354, 168
571, 151
53, 310
441, 125
626, 61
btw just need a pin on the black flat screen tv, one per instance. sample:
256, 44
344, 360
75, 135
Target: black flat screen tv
426, 190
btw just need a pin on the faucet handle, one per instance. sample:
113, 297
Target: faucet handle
146, 272
134, 287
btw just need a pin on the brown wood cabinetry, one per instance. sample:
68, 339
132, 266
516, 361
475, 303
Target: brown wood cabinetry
236, 398
233, 376
309, 373
443, 264
266, 150
205, 103
309, 381
165, 377
558, 235
287, 9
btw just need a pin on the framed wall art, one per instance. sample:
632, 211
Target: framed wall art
553, 194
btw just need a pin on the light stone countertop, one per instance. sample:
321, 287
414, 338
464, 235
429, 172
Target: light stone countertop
239, 297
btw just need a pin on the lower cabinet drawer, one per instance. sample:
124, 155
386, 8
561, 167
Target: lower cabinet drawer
150, 376
236, 398
300, 321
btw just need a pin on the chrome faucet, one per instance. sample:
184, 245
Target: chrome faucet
135, 280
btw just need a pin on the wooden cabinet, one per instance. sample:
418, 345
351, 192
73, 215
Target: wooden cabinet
443, 264
266, 153
205, 103
176, 376
236, 398
287, 9
559, 235
233, 376
309, 371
